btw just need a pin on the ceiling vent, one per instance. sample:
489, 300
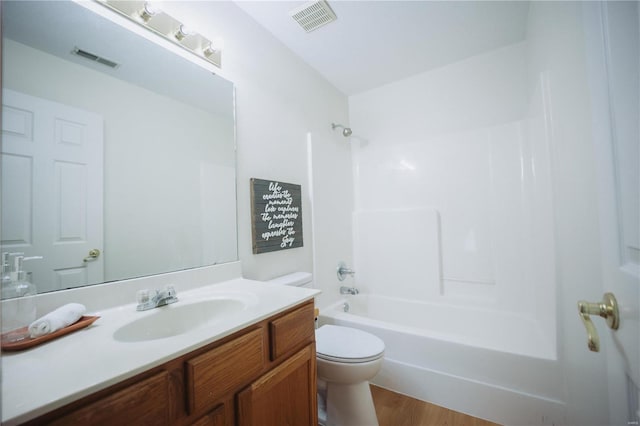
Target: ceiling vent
313, 15
95, 58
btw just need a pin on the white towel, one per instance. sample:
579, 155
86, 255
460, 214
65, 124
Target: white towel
60, 318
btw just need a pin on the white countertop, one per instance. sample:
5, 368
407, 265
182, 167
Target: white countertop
56, 373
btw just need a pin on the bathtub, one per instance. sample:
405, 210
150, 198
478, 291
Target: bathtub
491, 365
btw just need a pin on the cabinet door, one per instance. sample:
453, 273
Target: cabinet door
146, 401
284, 396
291, 330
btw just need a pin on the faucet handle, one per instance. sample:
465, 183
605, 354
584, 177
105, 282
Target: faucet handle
142, 296
170, 290
342, 271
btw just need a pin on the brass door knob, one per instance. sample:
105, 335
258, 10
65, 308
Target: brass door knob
93, 255
607, 309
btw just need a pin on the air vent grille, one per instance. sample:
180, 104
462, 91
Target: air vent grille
95, 58
313, 15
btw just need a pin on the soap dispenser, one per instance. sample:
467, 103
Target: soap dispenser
21, 311
20, 282
8, 275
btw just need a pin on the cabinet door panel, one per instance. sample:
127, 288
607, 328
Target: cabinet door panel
284, 396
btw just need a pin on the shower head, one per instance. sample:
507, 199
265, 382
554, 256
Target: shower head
346, 131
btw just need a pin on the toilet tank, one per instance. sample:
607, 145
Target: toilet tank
297, 279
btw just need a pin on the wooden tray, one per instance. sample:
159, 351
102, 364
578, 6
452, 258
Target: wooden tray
19, 339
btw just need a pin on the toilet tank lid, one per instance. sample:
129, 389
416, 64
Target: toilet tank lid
295, 279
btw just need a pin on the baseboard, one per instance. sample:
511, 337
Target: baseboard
478, 399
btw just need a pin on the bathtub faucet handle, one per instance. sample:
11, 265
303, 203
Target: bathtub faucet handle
342, 271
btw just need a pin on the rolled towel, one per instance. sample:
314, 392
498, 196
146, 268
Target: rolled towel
60, 318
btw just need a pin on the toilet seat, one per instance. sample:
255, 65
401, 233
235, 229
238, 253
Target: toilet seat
347, 345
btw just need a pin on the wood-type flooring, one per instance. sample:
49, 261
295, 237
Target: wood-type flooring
394, 409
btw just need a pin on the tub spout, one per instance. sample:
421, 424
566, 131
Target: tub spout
348, 290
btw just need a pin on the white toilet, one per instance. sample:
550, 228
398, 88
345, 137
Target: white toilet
347, 358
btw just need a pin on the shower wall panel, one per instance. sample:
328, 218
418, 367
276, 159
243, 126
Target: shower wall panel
454, 175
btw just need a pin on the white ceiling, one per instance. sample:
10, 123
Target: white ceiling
377, 42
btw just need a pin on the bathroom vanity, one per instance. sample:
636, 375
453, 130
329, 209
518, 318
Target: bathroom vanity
256, 366
262, 375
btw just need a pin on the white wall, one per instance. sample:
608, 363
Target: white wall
279, 100
454, 198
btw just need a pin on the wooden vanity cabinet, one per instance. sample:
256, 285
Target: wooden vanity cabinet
262, 375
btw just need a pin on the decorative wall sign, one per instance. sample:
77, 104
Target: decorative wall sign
276, 215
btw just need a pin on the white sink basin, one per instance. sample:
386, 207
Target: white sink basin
178, 318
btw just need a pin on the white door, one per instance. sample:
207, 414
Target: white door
613, 50
52, 189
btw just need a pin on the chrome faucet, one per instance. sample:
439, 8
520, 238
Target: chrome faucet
160, 298
348, 290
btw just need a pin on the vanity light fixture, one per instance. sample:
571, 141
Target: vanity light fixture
149, 15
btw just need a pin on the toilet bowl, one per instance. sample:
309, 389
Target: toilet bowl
347, 358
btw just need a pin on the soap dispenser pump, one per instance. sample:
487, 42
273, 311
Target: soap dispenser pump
6, 269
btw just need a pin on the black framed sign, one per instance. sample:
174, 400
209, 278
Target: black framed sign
276, 215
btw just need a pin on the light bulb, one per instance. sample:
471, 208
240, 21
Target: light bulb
217, 44
149, 11
214, 46
183, 32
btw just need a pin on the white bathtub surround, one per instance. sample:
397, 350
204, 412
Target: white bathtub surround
470, 225
454, 235
453, 214
459, 359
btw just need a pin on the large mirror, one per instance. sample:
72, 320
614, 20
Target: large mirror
118, 156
